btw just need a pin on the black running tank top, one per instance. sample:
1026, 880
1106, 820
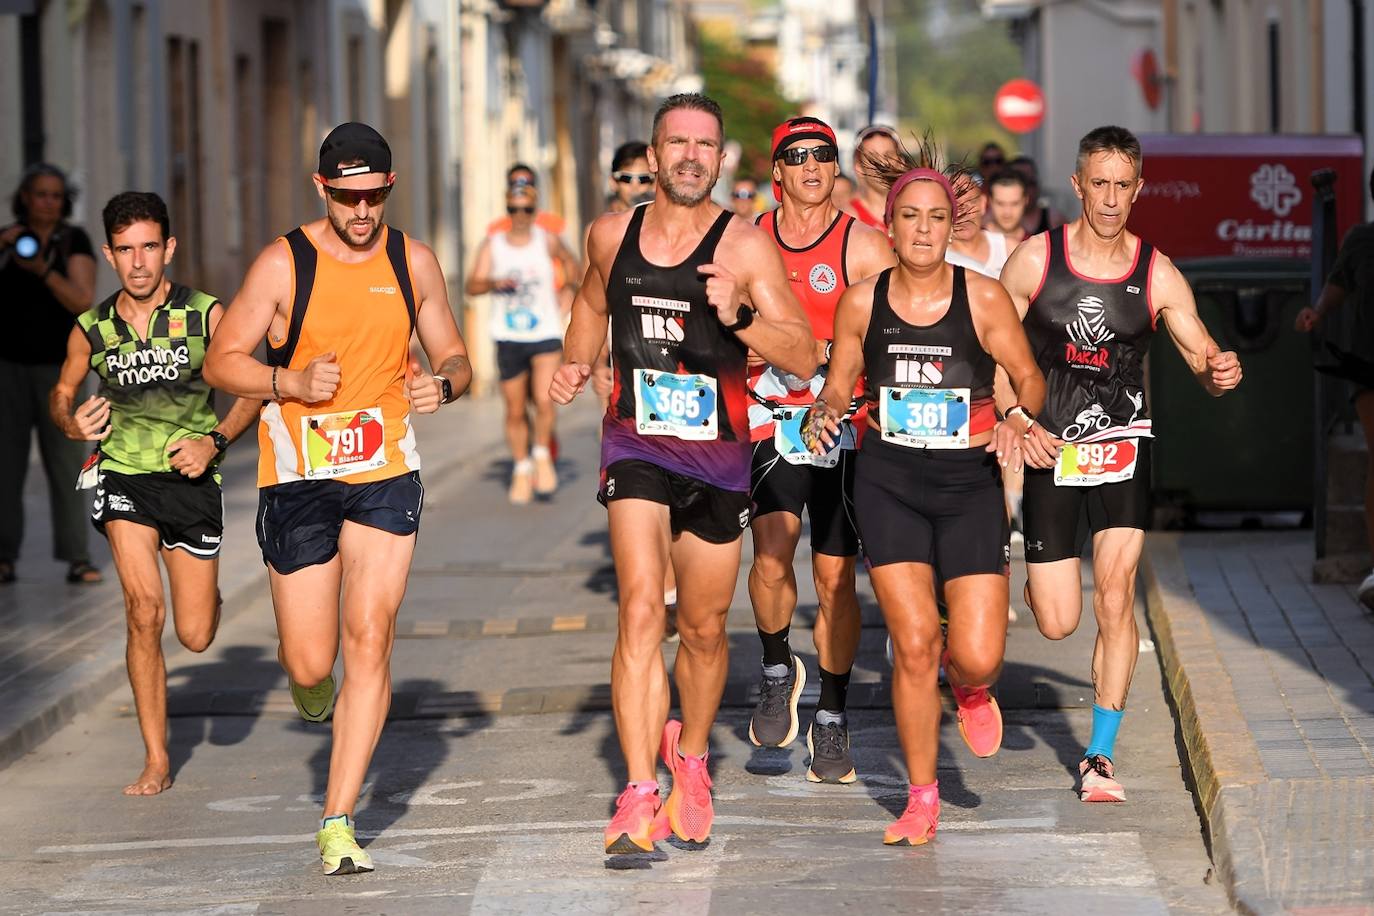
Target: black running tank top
1089, 338
661, 321
946, 354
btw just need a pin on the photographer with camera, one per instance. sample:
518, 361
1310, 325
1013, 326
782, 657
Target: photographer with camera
47, 278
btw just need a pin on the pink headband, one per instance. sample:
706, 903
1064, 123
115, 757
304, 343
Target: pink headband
917, 175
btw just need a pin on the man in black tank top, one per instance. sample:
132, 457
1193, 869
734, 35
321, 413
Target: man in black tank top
1091, 295
673, 276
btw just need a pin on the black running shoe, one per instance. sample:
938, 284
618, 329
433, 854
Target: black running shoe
774, 722
829, 749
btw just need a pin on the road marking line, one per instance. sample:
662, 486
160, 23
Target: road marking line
570, 622
834, 826
500, 627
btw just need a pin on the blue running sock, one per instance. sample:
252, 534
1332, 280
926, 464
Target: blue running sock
324, 822
1105, 725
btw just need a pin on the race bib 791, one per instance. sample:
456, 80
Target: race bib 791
340, 444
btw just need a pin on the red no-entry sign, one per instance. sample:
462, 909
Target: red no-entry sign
1020, 106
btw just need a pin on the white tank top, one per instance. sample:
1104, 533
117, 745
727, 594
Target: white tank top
997, 256
528, 313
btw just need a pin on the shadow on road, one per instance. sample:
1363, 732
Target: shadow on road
238, 668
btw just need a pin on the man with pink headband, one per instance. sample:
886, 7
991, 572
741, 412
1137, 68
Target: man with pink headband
929, 336
1092, 294
823, 251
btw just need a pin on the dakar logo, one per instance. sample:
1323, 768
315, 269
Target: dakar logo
1087, 334
823, 279
1275, 189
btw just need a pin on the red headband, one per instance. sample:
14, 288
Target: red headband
918, 175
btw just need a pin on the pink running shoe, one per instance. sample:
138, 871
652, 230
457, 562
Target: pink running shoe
1097, 781
980, 718
639, 822
688, 807
916, 826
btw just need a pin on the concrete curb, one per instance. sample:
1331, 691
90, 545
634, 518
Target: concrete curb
99, 674
1221, 750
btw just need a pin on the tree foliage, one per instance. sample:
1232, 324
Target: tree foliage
950, 64
747, 90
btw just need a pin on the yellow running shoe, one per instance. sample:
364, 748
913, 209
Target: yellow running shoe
314, 703
340, 853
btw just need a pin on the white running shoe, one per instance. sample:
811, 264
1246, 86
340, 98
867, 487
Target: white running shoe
1366, 592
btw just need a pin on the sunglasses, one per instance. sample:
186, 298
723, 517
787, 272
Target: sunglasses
632, 177
992, 160
528, 211
351, 197
796, 155
743, 195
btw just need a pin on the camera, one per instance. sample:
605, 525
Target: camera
26, 245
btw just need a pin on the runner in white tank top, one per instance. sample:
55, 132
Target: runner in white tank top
527, 310
517, 268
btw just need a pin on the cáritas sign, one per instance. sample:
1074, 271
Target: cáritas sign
1242, 195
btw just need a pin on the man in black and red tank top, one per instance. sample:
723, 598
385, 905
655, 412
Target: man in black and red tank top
822, 250
1092, 295
673, 276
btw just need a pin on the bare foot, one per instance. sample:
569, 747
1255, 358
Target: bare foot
155, 778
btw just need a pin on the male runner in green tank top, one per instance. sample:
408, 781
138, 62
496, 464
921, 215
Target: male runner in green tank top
158, 489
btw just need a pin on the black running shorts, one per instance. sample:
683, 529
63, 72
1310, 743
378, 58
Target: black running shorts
942, 507
1057, 521
712, 514
188, 513
299, 522
514, 359
826, 493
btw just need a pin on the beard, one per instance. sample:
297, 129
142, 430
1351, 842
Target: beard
341, 230
677, 195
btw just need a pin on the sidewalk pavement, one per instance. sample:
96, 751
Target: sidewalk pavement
1273, 680
62, 646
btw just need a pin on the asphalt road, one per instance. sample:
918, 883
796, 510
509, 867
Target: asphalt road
498, 770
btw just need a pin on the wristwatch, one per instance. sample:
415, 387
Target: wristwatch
743, 318
446, 387
220, 439
1025, 415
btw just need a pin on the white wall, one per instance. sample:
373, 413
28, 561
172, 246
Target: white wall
1085, 64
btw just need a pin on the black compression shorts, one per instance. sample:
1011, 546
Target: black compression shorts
934, 506
1057, 521
827, 494
712, 514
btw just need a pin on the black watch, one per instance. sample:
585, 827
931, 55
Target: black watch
743, 318
446, 388
220, 439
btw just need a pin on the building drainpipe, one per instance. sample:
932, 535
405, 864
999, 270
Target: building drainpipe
31, 81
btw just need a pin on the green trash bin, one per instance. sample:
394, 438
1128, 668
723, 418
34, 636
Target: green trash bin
1251, 450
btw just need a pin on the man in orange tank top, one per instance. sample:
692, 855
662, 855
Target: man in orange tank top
340, 495
823, 251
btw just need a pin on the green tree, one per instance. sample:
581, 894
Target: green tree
747, 91
950, 64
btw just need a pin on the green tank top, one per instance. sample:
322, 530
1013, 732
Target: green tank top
154, 386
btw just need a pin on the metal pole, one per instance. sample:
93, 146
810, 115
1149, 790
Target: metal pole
872, 66
1324, 387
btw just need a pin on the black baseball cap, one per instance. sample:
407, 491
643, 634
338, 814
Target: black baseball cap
353, 143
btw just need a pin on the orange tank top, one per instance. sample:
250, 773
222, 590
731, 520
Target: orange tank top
364, 313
